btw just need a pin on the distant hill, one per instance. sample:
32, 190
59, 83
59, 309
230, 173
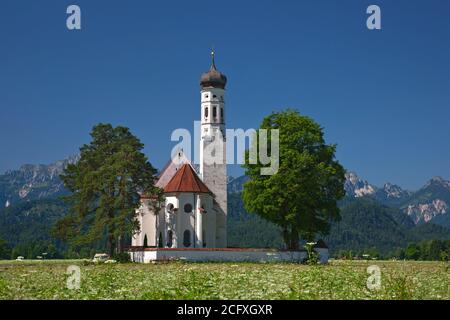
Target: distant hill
236, 185
26, 226
367, 223
32, 182
431, 203
249, 230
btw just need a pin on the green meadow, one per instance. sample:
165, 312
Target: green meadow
181, 280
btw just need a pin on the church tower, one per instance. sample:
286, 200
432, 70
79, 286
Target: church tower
213, 166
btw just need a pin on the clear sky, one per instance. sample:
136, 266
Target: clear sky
383, 96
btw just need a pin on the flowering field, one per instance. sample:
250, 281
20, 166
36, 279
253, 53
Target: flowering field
176, 280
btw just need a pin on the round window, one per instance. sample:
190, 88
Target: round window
188, 208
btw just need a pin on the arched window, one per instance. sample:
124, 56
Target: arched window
221, 113
206, 112
145, 244
214, 112
188, 208
170, 208
187, 238
169, 238
160, 240
204, 238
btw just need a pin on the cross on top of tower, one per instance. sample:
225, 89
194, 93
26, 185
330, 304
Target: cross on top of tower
213, 63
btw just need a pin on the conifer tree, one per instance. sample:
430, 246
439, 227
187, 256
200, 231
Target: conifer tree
106, 184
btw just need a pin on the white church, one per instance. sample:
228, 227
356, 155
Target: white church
192, 223
194, 214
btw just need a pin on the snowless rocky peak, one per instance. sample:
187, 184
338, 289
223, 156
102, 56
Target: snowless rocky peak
352, 177
394, 191
438, 181
424, 212
42, 172
35, 181
354, 186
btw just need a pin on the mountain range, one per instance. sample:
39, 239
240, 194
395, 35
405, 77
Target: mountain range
428, 204
431, 203
380, 217
33, 182
383, 219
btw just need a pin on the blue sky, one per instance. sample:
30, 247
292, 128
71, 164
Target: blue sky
382, 96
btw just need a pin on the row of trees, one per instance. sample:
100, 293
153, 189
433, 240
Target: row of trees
45, 250
430, 250
28, 250
425, 250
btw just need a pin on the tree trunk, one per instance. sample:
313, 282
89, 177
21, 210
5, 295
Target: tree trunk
294, 240
286, 238
121, 244
111, 245
291, 239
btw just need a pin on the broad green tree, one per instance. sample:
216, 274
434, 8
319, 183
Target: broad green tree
302, 196
105, 186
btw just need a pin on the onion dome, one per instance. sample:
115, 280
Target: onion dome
213, 78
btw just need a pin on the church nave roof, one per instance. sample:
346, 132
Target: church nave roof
186, 180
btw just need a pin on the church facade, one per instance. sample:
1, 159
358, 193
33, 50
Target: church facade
194, 212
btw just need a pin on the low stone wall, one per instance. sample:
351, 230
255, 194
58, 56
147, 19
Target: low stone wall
221, 255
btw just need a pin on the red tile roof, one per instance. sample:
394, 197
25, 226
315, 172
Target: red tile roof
186, 180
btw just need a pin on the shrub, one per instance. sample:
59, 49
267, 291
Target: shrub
313, 256
122, 257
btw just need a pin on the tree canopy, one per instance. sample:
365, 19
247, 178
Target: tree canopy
106, 184
302, 196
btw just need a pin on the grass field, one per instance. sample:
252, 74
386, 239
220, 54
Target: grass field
176, 280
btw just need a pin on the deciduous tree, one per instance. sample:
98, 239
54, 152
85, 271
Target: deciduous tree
302, 196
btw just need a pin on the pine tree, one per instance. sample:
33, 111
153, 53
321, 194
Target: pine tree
106, 184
